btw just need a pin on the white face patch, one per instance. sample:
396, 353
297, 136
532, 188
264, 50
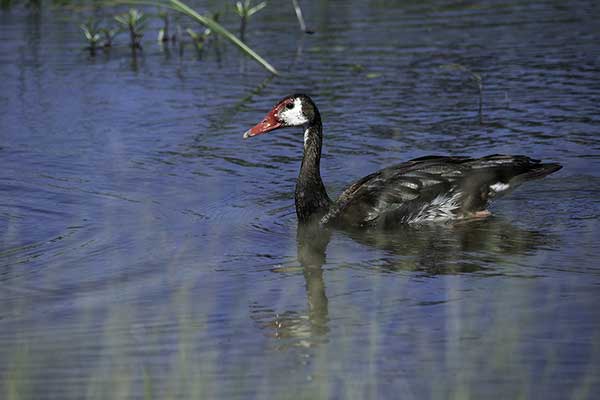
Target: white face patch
293, 116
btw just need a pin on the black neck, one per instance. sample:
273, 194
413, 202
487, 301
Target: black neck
311, 197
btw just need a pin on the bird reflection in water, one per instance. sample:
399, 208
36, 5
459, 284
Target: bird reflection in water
307, 328
478, 246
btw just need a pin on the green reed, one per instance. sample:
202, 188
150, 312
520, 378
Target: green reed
205, 20
134, 21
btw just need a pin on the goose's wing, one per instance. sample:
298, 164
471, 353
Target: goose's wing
432, 188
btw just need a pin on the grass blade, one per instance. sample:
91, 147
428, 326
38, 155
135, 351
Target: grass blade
218, 28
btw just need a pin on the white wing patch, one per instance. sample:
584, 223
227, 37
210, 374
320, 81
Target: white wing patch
410, 185
499, 187
441, 208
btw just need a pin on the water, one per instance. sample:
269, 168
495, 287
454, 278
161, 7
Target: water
147, 251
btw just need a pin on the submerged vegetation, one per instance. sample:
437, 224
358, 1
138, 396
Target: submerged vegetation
476, 78
91, 31
217, 28
245, 10
94, 32
198, 39
163, 33
298, 11
135, 23
109, 34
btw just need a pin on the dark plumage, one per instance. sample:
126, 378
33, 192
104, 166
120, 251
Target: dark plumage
432, 188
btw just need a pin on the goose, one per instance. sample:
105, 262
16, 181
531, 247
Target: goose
422, 190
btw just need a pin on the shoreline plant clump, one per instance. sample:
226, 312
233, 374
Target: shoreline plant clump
134, 21
91, 31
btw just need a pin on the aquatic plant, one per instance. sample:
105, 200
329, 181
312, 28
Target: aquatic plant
35, 4
475, 77
479, 81
217, 28
357, 68
91, 31
135, 21
207, 21
163, 33
245, 10
109, 34
199, 39
300, 18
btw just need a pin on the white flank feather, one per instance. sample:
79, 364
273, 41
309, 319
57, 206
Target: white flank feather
441, 208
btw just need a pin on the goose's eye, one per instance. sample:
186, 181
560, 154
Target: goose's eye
289, 106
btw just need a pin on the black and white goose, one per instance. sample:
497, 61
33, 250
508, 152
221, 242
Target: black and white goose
426, 189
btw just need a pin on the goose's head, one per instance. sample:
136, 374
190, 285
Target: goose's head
294, 110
